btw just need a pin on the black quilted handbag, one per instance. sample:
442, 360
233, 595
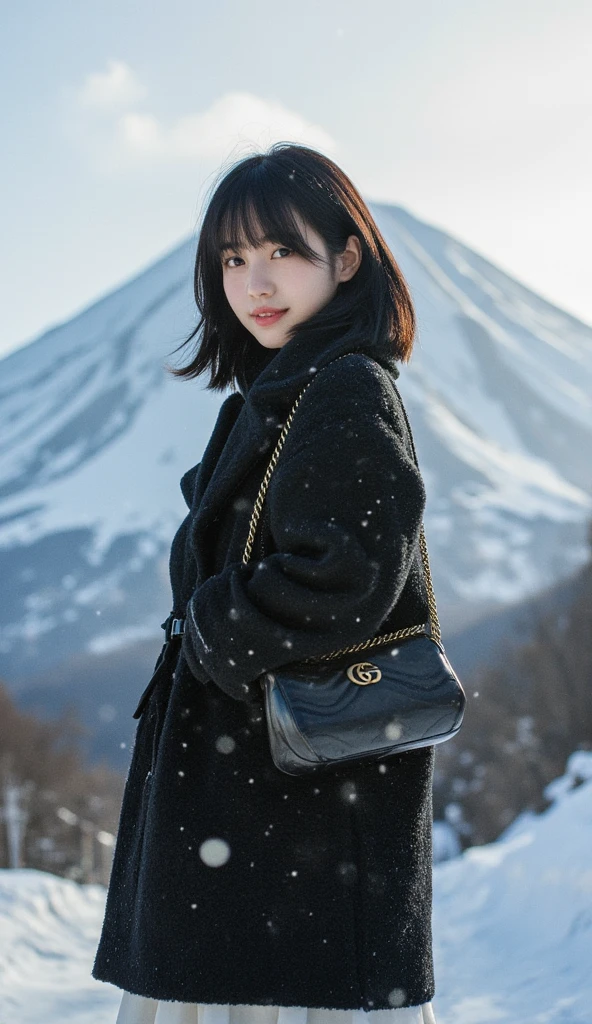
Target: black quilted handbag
336, 709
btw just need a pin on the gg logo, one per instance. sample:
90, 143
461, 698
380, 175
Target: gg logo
364, 672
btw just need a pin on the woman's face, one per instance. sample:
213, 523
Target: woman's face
272, 277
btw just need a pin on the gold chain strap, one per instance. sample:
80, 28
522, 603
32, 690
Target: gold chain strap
399, 634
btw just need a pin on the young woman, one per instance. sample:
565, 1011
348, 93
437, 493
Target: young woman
239, 893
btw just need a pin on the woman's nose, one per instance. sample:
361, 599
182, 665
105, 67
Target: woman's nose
259, 283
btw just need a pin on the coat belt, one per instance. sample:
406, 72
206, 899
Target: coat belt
173, 628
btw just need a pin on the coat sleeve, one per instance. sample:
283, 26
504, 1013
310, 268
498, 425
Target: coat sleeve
345, 504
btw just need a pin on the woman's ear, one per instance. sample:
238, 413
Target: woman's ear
349, 260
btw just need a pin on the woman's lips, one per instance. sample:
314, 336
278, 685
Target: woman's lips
266, 319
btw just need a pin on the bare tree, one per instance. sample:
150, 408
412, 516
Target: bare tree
57, 813
533, 709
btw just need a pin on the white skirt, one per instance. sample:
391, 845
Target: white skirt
140, 1010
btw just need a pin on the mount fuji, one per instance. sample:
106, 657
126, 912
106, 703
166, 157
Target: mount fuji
95, 436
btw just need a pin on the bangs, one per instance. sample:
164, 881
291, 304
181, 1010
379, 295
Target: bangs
256, 211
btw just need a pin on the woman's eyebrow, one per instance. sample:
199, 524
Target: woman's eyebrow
234, 245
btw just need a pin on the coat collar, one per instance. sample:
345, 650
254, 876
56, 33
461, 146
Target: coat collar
275, 376
251, 419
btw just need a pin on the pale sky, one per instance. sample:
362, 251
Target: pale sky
475, 115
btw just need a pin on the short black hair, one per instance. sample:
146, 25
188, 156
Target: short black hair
261, 194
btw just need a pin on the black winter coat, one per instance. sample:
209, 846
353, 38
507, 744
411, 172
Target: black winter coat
310, 890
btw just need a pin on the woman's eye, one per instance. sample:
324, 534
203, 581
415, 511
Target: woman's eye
227, 261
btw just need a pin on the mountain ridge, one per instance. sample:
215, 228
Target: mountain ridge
95, 437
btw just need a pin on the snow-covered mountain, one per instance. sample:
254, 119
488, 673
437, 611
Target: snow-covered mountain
95, 436
512, 928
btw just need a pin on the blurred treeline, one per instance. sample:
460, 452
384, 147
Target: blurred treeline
56, 813
525, 714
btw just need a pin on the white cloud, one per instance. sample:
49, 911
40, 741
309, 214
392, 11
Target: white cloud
130, 138
231, 120
242, 117
110, 89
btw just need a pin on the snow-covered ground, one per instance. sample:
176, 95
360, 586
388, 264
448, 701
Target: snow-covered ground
49, 929
512, 928
513, 920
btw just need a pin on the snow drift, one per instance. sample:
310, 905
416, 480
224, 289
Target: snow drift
512, 928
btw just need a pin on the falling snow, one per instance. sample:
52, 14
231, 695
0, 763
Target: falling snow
393, 730
214, 852
225, 744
